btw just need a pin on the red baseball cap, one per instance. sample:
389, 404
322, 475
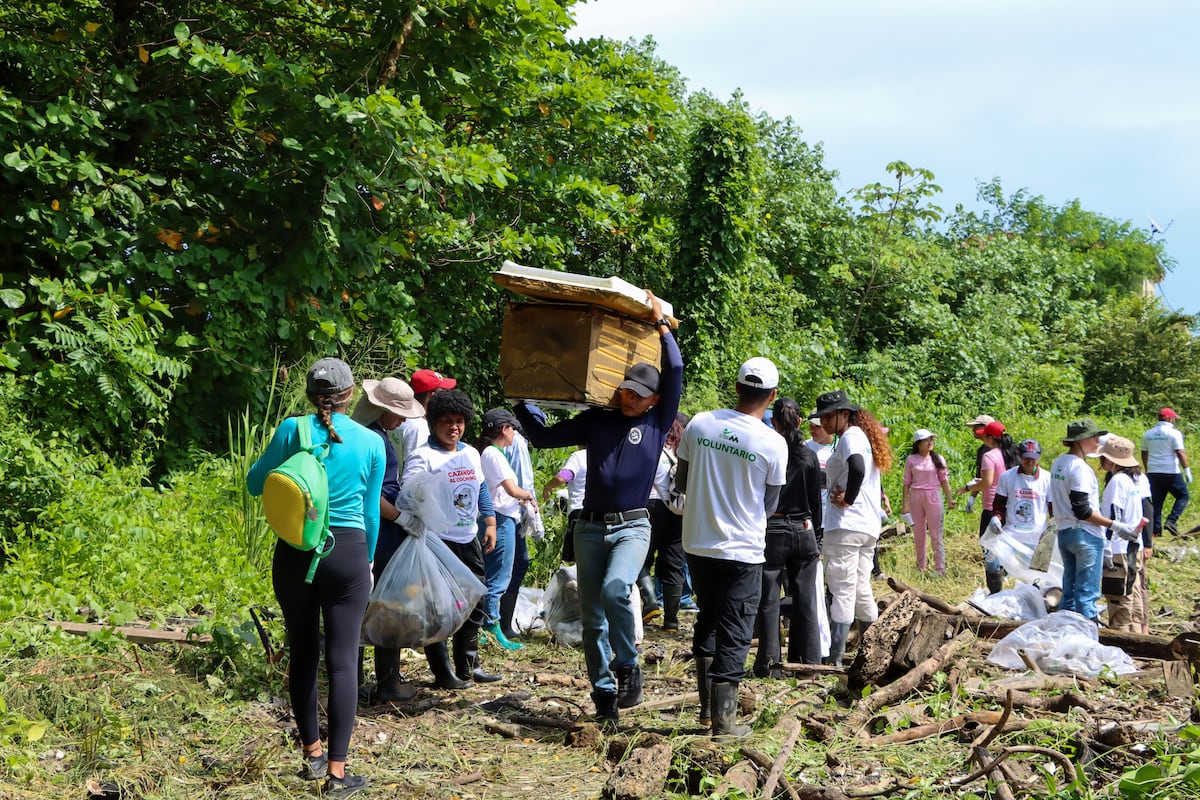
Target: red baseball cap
426, 380
994, 428
1168, 413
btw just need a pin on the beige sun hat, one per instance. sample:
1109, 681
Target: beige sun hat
1119, 451
389, 394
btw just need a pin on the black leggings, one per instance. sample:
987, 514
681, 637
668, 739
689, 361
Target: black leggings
338, 593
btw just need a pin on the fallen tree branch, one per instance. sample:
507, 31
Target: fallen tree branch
939, 728
780, 760
908, 682
982, 770
760, 760
1066, 764
667, 702
999, 726
543, 722
981, 756
931, 600
463, 780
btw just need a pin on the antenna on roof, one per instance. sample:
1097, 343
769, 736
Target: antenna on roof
1155, 228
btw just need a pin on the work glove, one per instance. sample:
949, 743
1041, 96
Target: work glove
994, 526
1187, 474
1109, 564
970, 504
1126, 530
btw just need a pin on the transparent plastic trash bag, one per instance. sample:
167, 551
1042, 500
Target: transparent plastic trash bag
560, 607
1065, 643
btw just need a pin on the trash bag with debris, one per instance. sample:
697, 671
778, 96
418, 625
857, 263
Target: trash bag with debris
423, 596
1023, 601
1016, 556
560, 607
1063, 643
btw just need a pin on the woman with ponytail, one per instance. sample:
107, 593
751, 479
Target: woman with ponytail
852, 528
792, 556
338, 593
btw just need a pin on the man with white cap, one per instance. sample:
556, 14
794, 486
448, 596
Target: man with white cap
732, 468
1167, 469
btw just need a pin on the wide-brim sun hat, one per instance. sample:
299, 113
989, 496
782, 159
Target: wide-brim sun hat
980, 421
1119, 451
394, 395
837, 400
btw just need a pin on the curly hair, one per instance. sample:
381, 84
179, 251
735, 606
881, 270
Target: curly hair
449, 402
881, 448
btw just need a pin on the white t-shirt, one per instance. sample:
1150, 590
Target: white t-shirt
413, 433
1160, 444
661, 489
577, 464
866, 513
1070, 473
732, 459
496, 470
823, 451
463, 471
1122, 501
1027, 498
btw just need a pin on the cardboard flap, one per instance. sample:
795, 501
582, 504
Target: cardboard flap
567, 287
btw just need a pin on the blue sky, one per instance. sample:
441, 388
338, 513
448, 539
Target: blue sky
1092, 100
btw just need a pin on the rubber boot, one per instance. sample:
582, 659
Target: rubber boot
671, 595
438, 656
629, 686
466, 660
508, 606
388, 686
704, 687
725, 708
838, 631
607, 714
650, 607
494, 631
995, 581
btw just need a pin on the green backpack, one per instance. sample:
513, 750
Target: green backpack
296, 499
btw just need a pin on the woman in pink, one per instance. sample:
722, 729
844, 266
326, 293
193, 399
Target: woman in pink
1001, 454
924, 475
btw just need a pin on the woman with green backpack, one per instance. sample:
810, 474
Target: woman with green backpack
337, 589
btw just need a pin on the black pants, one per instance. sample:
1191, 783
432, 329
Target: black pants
727, 593
792, 561
471, 554
338, 594
665, 555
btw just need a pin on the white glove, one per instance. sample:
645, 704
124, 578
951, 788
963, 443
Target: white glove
970, 504
994, 526
1187, 474
371, 572
1125, 530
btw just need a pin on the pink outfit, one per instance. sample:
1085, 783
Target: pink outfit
924, 482
994, 460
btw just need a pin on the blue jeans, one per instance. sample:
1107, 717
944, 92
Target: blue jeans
498, 566
1083, 564
608, 559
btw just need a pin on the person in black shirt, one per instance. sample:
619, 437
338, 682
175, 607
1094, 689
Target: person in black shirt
792, 555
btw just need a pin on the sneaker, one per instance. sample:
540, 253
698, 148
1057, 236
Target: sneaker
339, 788
315, 767
1171, 527
688, 604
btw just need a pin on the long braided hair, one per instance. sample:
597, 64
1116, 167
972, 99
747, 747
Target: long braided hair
329, 404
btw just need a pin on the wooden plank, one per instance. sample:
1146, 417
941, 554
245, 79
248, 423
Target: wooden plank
134, 633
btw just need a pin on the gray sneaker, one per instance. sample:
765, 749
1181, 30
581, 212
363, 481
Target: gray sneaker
339, 788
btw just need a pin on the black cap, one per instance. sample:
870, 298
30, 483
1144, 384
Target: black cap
499, 417
329, 376
641, 378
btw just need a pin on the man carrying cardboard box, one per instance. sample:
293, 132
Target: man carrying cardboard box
612, 532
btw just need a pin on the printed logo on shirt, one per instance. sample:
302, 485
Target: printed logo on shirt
465, 498
634, 436
729, 435
725, 447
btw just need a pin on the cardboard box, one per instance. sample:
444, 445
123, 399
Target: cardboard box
567, 355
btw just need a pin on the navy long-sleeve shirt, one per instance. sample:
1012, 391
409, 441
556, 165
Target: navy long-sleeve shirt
622, 452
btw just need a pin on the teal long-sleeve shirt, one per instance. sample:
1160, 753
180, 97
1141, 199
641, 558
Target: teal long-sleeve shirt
355, 467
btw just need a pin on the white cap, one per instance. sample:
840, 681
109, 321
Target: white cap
921, 434
758, 373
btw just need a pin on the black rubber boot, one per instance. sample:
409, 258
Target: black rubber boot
389, 685
607, 714
995, 581
671, 595
838, 631
629, 686
650, 607
704, 687
438, 656
508, 605
725, 708
466, 660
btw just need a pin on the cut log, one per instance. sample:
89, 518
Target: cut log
909, 682
642, 774
877, 648
928, 631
